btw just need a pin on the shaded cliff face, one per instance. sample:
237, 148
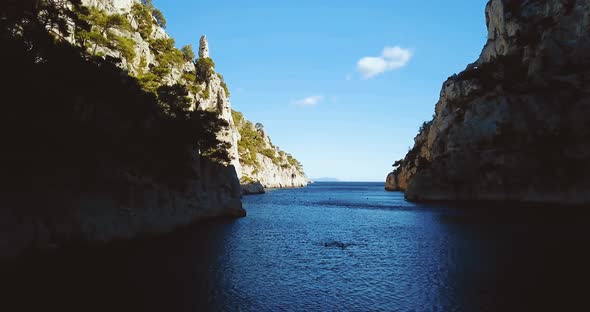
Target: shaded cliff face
515, 124
125, 205
98, 157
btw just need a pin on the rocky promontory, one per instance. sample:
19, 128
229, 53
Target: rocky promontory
262, 161
253, 188
515, 124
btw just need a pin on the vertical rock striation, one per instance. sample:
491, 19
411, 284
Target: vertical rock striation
514, 125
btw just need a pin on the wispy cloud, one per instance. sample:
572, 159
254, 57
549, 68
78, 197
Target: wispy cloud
309, 101
392, 58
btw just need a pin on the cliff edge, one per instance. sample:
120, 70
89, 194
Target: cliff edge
514, 125
149, 48
111, 132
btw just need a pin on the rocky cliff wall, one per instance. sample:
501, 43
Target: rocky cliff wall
213, 96
275, 171
262, 161
514, 125
103, 195
126, 205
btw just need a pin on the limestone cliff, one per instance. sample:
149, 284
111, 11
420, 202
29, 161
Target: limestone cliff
262, 161
126, 205
514, 125
91, 181
210, 94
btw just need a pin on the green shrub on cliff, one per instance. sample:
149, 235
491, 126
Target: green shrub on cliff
252, 143
270, 153
127, 47
238, 118
166, 53
149, 82
205, 68
143, 17
167, 57
246, 180
188, 53
190, 81
101, 33
223, 84
145, 13
159, 16
294, 163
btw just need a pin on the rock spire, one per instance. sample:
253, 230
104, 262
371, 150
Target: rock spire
203, 47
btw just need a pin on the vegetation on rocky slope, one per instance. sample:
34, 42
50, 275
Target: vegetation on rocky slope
164, 71
68, 125
252, 143
112, 32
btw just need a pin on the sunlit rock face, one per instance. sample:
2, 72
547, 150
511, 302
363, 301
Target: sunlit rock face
515, 125
116, 6
269, 174
274, 174
203, 47
142, 46
216, 99
391, 183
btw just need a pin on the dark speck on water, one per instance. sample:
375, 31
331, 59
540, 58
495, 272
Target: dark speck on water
328, 247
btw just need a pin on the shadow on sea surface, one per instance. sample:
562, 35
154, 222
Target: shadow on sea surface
326, 248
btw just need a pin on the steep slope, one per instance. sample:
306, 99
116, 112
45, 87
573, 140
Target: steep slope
515, 125
99, 155
210, 92
262, 161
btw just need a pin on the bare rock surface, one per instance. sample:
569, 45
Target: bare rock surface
514, 125
254, 188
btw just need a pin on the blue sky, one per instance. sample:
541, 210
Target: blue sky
341, 85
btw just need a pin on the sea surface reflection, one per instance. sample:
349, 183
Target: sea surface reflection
329, 247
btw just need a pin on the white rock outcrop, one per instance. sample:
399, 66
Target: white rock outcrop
262, 161
203, 47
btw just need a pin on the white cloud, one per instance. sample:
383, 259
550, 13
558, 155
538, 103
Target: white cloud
309, 101
392, 58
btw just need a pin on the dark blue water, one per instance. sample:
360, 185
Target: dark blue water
329, 247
